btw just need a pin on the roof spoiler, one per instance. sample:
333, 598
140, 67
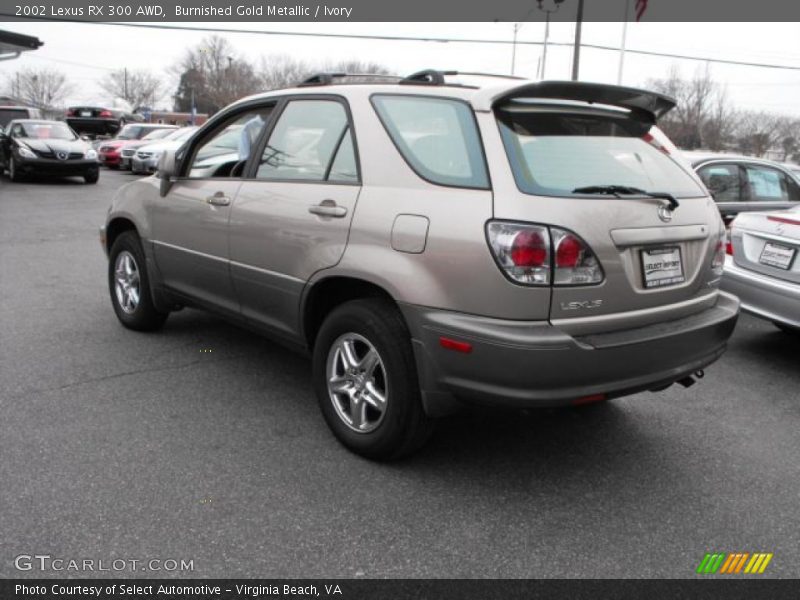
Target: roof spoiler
651, 104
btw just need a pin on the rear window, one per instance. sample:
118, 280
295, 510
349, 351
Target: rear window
554, 150
9, 114
438, 138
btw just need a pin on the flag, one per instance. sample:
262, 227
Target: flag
641, 6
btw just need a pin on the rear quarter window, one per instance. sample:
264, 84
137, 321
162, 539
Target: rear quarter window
438, 138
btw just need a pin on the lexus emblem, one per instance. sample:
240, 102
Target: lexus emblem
62, 155
664, 213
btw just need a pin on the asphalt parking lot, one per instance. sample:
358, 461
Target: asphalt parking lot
204, 442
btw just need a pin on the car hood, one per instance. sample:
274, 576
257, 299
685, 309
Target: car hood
47, 145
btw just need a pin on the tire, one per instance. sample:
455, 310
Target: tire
400, 426
127, 258
13, 174
92, 176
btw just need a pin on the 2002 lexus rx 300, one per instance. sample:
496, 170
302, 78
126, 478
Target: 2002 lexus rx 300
496, 241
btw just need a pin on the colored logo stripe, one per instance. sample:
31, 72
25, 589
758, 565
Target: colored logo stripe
733, 562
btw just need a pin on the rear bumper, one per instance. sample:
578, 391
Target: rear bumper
535, 364
763, 296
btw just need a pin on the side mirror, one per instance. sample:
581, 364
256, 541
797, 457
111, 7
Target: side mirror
166, 171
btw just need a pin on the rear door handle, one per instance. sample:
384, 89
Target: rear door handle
218, 199
328, 208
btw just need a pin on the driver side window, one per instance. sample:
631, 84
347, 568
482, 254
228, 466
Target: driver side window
224, 152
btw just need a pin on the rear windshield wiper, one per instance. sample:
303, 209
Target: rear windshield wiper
620, 190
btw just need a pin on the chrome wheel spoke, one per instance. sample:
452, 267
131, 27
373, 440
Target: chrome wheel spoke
340, 385
369, 362
374, 397
349, 357
358, 413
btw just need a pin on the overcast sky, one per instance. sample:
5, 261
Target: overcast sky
85, 52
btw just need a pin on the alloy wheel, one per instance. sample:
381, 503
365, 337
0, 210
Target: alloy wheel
127, 282
357, 382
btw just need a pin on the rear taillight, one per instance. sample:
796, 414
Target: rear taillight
522, 251
539, 255
70, 113
721, 248
106, 113
575, 263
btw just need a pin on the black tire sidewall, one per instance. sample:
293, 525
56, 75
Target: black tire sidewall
368, 318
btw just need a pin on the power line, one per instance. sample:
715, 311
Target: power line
399, 38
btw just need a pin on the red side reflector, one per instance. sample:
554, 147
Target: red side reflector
449, 344
590, 399
729, 249
784, 220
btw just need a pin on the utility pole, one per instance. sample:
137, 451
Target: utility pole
624, 39
125, 84
576, 55
517, 27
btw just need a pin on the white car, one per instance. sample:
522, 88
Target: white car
145, 159
763, 267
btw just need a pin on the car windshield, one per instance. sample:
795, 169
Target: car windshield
158, 134
181, 134
562, 151
132, 132
47, 131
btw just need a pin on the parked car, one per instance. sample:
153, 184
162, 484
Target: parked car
30, 148
128, 149
521, 244
144, 157
763, 268
11, 113
110, 150
741, 183
99, 120
793, 169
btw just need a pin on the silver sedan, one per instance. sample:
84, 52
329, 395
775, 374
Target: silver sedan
763, 268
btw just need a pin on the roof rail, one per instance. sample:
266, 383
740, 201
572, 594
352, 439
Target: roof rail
327, 78
426, 77
434, 77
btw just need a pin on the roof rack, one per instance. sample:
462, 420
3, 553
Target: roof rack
327, 78
433, 77
425, 77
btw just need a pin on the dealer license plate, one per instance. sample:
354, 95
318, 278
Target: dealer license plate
662, 267
776, 255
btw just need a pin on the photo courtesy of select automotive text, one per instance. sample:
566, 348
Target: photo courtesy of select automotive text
368, 299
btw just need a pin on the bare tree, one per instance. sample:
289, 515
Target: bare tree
43, 88
720, 123
278, 71
137, 88
215, 74
685, 123
757, 132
